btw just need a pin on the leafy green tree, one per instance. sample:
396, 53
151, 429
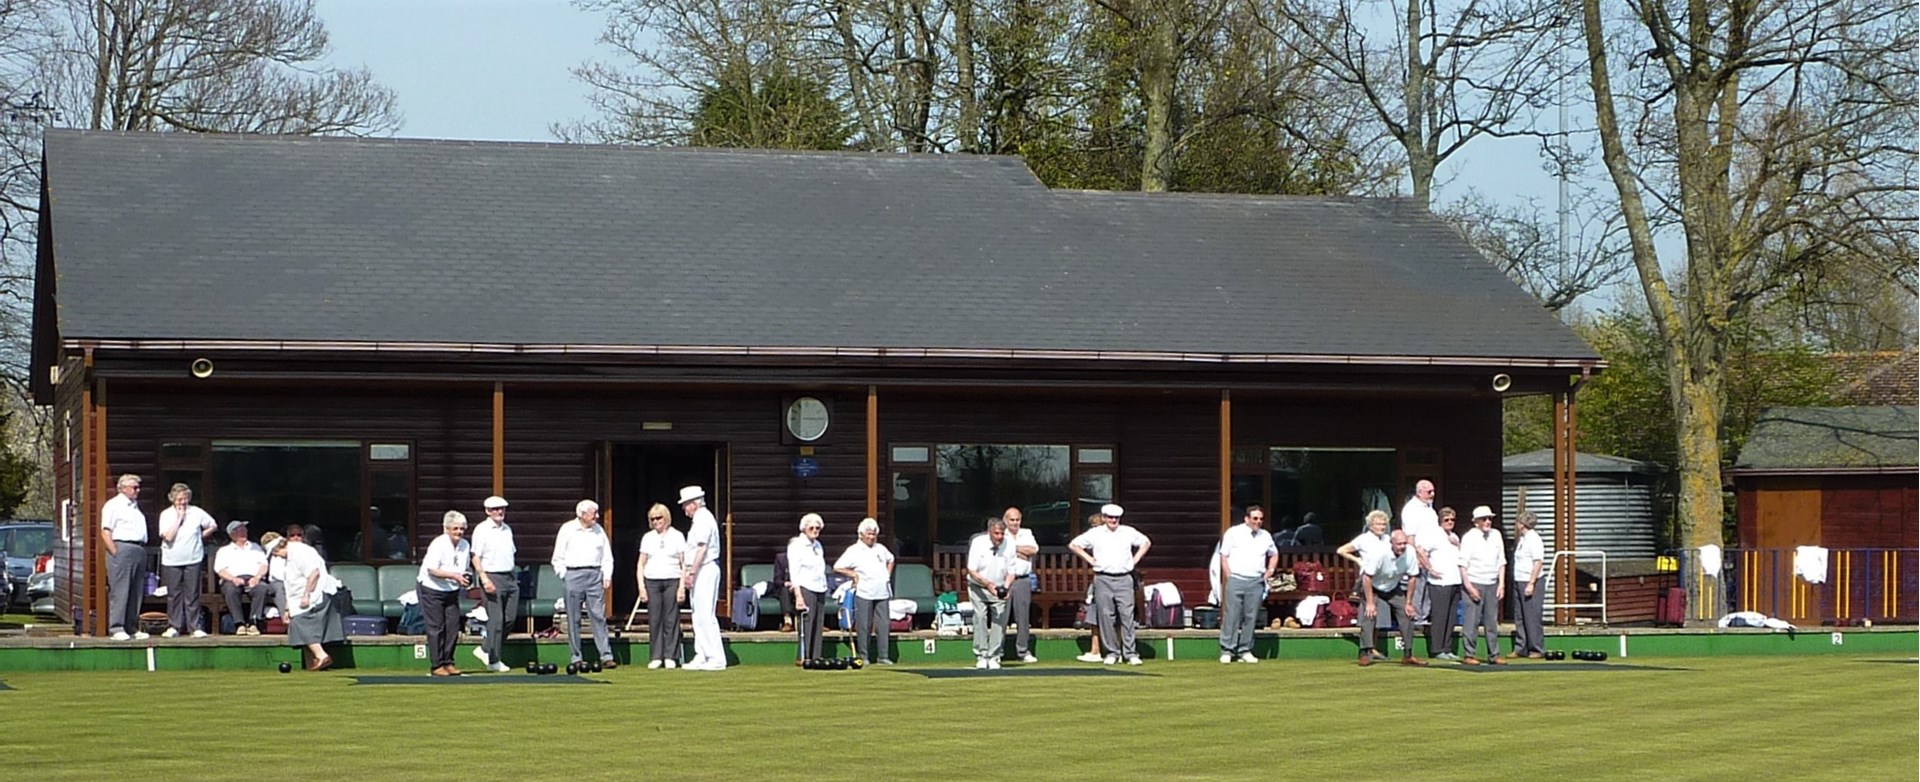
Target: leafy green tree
779, 110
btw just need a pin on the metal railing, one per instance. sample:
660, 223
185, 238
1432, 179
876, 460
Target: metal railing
1872, 584
1573, 558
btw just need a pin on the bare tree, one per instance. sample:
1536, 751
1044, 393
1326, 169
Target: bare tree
1773, 137
1525, 242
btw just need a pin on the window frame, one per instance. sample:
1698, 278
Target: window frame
205, 496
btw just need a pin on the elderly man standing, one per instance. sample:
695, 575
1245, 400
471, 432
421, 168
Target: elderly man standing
1020, 596
1483, 579
583, 557
1247, 558
1113, 550
1417, 518
703, 580
493, 559
1383, 589
989, 580
123, 530
241, 567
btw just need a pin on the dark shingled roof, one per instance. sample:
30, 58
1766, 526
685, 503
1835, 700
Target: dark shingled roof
176, 236
1541, 462
1832, 438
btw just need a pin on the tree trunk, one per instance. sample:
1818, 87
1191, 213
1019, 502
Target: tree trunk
967, 82
1413, 133
1157, 74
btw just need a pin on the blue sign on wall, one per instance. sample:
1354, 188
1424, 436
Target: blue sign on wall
805, 467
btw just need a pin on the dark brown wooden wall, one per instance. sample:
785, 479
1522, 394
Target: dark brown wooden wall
1869, 511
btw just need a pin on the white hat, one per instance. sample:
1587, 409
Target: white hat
691, 493
234, 525
1482, 512
1113, 510
496, 501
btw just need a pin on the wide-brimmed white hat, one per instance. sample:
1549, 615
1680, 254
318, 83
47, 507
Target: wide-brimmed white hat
1482, 512
496, 501
1113, 510
691, 493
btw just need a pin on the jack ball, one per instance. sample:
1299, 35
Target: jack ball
286, 667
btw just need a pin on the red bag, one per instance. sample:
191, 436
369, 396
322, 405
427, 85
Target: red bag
1310, 577
1340, 613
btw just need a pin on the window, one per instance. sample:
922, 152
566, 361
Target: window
357, 497
1322, 495
943, 494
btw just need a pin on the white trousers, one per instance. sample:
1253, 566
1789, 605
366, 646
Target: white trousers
706, 626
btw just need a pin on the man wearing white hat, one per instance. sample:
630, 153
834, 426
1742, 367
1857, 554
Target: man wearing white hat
1113, 550
1483, 576
241, 567
703, 580
493, 559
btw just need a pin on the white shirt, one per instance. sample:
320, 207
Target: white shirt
872, 580
666, 552
1111, 549
1366, 543
1482, 554
493, 544
1417, 517
1530, 550
186, 548
1385, 571
236, 559
302, 562
445, 556
1443, 554
988, 560
122, 517
705, 529
577, 545
1024, 537
806, 564
1247, 551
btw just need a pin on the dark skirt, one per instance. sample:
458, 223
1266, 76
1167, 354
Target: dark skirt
322, 625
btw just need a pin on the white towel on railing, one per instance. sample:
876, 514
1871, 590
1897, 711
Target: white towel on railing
1810, 564
1710, 560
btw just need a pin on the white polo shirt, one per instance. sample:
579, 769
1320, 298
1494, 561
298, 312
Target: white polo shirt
1111, 549
1482, 554
1247, 551
1385, 571
186, 547
302, 561
807, 564
1443, 554
1366, 543
988, 560
577, 545
869, 565
1024, 537
705, 529
493, 545
1417, 517
448, 557
666, 552
122, 518
235, 560
1530, 550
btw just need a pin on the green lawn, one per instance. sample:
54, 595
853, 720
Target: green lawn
1850, 718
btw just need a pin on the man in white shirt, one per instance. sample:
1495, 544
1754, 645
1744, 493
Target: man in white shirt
1113, 550
1442, 583
1247, 559
442, 579
494, 556
184, 529
1020, 597
584, 559
1418, 518
1383, 595
123, 532
989, 580
703, 580
241, 566
1483, 579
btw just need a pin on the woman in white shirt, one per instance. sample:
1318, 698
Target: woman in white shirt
312, 619
443, 576
807, 569
1529, 554
184, 528
662, 567
870, 565
1443, 584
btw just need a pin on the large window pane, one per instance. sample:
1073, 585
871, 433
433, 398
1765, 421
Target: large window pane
392, 493
979, 481
1321, 495
910, 514
274, 484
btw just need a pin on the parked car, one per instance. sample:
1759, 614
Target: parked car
25, 543
40, 590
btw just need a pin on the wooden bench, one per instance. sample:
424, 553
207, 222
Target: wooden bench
1063, 578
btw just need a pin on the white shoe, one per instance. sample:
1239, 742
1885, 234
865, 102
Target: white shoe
170, 633
993, 665
1247, 657
1226, 659
1028, 658
141, 635
498, 667
481, 655
1111, 659
672, 664
653, 665
1133, 660
1089, 657
980, 664
121, 636
199, 633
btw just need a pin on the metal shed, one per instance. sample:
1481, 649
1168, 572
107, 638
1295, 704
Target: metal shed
1618, 510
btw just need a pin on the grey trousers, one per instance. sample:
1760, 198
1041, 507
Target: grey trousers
587, 594
989, 623
183, 595
503, 610
126, 584
663, 619
811, 625
1238, 611
256, 600
1020, 615
1440, 633
1528, 637
441, 609
1113, 608
871, 632
1422, 600
1483, 614
1384, 602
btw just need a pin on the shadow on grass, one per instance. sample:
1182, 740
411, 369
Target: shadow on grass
1562, 667
975, 673
440, 681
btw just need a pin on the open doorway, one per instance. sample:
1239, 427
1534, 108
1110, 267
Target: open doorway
641, 475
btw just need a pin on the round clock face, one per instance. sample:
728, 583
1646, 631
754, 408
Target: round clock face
807, 419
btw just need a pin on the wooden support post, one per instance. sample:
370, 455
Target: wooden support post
1226, 459
1565, 491
873, 453
499, 439
94, 607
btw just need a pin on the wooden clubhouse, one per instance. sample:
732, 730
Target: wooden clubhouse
363, 333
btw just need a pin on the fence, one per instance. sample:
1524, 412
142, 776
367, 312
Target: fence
1877, 584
